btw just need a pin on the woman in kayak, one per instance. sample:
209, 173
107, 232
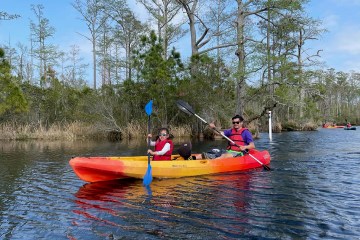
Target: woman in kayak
163, 146
238, 134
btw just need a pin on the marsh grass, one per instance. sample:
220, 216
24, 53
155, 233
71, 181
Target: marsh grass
295, 126
133, 130
309, 126
76, 130
68, 131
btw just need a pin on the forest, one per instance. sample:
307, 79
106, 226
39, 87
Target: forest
247, 57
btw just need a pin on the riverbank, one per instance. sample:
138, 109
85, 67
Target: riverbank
78, 130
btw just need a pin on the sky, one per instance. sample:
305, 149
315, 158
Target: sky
340, 45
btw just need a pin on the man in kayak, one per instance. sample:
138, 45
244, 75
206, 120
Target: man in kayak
163, 146
239, 135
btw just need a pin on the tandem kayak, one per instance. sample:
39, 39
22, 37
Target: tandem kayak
350, 128
95, 169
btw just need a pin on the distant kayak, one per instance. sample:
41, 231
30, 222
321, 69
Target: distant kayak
350, 128
333, 126
95, 169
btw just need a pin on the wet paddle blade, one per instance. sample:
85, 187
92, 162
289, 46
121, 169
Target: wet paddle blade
185, 107
266, 168
148, 176
148, 107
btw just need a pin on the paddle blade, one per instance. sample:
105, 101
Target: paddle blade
267, 168
148, 107
148, 176
185, 107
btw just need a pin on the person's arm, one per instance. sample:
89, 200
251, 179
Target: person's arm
248, 140
212, 126
152, 143
165, 149
227, 132
248, 147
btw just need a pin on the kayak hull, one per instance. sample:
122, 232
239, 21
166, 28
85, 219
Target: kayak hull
350, 128
95, 169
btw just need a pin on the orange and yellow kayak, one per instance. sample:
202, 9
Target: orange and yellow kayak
95, 169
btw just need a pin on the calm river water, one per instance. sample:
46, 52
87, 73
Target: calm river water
312, 192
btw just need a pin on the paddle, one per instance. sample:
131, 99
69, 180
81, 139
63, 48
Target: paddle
148, 175
185, 107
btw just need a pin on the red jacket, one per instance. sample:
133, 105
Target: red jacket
159, 145
237, 138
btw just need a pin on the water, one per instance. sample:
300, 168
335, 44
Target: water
312, 192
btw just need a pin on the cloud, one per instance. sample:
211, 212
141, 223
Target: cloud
330, 22
344, 2
351, 65
347, 40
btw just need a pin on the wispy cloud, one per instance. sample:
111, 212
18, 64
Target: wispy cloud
344, 2
331, 21
347, 40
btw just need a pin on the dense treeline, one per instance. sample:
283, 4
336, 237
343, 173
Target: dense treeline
247, 57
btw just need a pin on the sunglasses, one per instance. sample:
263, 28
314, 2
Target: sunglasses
162, 134
235, 122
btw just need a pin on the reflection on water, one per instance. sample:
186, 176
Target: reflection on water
183, 204
311, 193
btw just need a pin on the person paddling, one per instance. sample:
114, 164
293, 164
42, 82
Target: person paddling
239, 135
163, 146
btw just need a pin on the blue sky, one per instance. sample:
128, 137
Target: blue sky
340, 45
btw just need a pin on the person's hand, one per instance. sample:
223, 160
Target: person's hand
149, 135
151, 152
243, 148
212, 125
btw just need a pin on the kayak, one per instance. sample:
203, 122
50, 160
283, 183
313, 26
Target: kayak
95, 169
333, 126
350, 128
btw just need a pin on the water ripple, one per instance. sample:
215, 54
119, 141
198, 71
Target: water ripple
311, 193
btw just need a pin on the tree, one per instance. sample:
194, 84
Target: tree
194, 20
45, 53
159, 77
7, 16
126, 32
74, 71
91, 12
12, 99
164, 13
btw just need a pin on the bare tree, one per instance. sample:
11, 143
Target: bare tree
75, 69
91, 13
164, 12
197, 23
41, 31
128, 29
7, 16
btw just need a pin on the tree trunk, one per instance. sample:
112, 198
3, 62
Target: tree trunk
240, 53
